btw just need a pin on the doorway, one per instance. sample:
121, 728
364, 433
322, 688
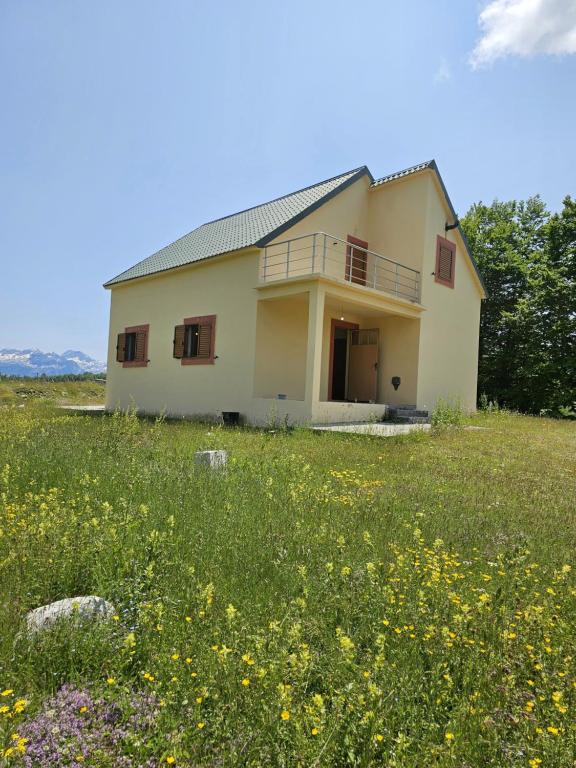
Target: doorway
339, 341
356, 260
353, 374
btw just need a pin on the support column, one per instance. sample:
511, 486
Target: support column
314, 349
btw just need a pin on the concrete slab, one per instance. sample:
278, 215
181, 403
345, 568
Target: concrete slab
374, 429
83, 408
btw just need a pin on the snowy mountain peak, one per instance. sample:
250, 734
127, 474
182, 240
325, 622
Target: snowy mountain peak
34, 362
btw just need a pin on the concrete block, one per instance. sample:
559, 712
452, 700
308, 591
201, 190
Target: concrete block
211, 459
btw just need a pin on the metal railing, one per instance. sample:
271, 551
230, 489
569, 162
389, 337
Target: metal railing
323, 254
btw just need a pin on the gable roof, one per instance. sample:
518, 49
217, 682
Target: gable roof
259, 225
431, 165
252, 227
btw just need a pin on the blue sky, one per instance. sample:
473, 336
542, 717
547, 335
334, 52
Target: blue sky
126, 124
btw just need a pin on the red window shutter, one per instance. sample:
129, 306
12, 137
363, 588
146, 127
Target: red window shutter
445, 262
121, 348
140, 351
205, 341
179, 336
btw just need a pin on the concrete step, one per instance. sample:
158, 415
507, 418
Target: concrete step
406, 415
403, 411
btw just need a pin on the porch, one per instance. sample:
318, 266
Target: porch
325, 355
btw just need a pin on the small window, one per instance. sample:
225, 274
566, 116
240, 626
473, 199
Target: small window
132, 347
194, 340
445, 262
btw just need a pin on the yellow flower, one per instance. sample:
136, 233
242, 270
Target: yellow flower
449, 736
379, 737
110, 680
199, 700
188, 619
175, 656
314, 731
534, 762
556, 696
554, 731
285, 715
170, 759
246, 681
83, 709
7, 692
200, 725
116, 617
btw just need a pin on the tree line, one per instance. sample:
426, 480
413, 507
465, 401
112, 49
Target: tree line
527, 257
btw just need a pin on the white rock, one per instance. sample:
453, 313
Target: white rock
86, 607
211, 459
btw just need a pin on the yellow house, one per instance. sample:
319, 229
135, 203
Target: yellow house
331, 304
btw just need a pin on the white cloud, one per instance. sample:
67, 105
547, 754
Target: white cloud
443, 73
525, 28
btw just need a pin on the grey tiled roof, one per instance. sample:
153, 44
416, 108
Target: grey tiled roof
406, 172
253, 227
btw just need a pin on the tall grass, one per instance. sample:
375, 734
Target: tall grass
327, 600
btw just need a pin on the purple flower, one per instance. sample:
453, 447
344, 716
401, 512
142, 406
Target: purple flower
72, 726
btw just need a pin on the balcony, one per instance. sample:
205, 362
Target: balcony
322, 254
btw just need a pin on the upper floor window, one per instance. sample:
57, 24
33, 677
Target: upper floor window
445, 262
194, 340
132, 347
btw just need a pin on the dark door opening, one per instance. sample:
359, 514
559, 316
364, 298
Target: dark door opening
339, 362
339, 353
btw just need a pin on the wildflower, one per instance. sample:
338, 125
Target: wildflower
379, 737
534, 762
554, 731
20, 705
188, 619
170, 759
199, 700
246, 681
111, 680
116, 617
175, 656
231, 612
83, 709
247, 659
449, 736
200, 725
188, 660
7, 692
285, 715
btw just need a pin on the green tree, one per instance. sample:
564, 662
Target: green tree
528, 324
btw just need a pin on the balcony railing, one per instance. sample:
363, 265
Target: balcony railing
322, 254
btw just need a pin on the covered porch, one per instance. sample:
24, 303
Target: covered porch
330, 353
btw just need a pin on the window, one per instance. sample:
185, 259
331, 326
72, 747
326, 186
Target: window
445, 262
132, 347
194, 340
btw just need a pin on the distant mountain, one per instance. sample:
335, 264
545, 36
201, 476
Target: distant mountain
33, 362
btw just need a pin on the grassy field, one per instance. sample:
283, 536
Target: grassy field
22, 391
328, 600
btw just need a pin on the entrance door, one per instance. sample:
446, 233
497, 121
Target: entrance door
363, 365
339, 345
356, 260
